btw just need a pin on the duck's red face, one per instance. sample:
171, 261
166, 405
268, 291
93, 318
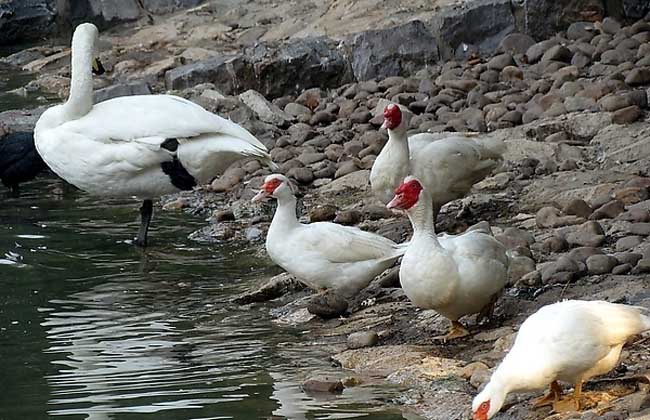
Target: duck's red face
268, 188
392, 117
406, 195
481, 412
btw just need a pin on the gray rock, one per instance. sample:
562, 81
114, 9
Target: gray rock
229, 73
638, 76
622, 269
168, 6
301, 175
516, 43
557, 53
589, 234
643, 266
626, 115
628, 257
581, 254
536, 51
500, 61
348, 217
322, 213
394, 51
560, 271
362, 339
628, 242
22, 20
122, 89
323, 384
601, 264
577, 207
295, 109
327, 305
519, 267
265, 110
581, 31
608, 210
555, 244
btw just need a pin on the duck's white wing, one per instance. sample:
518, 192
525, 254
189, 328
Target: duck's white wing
154, 118
346, 244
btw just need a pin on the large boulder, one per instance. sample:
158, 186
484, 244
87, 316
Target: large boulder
543, 18
481, 23
101, 13
392, 52
22, 20
229, 73
167, 6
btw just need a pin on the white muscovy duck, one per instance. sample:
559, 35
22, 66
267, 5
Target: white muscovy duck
323, 255
569, 341
447, 164
143, 146
462, 275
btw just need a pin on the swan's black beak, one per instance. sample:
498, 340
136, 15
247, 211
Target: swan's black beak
98, 68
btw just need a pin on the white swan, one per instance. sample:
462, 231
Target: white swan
569, 341
143, 146
323, 255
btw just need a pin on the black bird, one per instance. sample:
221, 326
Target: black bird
19, 160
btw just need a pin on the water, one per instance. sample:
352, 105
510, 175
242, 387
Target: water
93, 328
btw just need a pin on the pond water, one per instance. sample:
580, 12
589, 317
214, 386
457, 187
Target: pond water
93, 328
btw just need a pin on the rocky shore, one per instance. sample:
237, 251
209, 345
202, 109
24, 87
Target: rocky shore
572, 200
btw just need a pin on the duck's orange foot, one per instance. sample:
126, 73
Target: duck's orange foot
566, 405
551, 398
457, 330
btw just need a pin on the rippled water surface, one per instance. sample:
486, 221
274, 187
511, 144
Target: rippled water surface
90, 327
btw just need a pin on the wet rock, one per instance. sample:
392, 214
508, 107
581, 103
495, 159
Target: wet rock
362, 339
626, 115
348, 217
608, 210
265, 110
628, 242
394, 51
577, 207
323, 384
223, 215
601, 264
276, 287
327, 305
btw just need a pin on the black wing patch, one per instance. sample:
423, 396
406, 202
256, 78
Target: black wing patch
178, 175
19, 160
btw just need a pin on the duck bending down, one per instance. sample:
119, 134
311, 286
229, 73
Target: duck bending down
569, 341
462, 275
447, 164
323, 255
143, 146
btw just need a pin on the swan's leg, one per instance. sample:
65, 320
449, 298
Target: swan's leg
551, 398
146, 211
457, 330
571, 403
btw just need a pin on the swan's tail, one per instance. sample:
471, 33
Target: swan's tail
19, 160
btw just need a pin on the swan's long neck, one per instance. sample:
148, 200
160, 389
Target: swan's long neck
80, 101
285, 215
421, 216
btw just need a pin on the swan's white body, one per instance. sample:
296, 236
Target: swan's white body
447, 164
458, 276
569, 341
325, 255
114, 148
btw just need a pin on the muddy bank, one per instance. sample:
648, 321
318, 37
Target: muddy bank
572, 199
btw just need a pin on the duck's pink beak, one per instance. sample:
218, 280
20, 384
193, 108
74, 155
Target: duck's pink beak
395, 203
261, 196
383, 125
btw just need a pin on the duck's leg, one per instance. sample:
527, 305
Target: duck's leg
457, 330
551, 398
487, 312
571, 403
146, 211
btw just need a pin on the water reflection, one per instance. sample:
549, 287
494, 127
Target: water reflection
92, 328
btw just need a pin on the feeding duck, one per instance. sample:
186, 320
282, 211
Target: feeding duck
569, 341
447, 164
143, 146
323, 255
460, 276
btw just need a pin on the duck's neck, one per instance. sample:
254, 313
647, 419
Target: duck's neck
421, 216
285, 215
80, 101
397, 149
